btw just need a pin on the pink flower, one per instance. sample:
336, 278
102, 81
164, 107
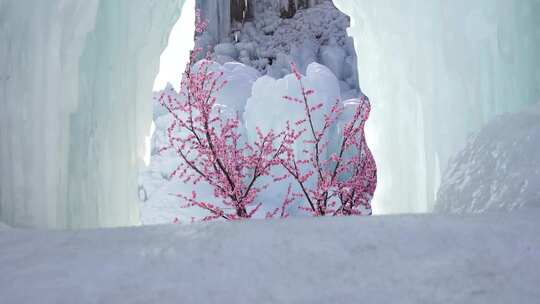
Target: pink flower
340, 185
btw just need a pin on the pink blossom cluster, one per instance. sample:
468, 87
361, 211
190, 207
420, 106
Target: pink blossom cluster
211, 149
342, 183
200, 23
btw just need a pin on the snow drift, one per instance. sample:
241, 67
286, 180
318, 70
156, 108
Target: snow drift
499, 169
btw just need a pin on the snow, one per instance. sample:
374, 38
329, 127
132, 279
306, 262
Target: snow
499, 169
407, 259
75, 83
435, 72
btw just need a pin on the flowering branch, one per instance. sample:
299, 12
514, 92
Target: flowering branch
345, 181
210, 146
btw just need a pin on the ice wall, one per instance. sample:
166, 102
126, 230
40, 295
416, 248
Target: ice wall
435, 71
75, 80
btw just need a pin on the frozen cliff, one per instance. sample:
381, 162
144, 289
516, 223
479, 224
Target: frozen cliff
75, 80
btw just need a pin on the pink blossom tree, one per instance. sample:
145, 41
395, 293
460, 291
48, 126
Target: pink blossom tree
342, 183
210, 146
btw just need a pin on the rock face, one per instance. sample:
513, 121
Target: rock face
499, 169
75, 80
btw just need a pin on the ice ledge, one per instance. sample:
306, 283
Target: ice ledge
491, 258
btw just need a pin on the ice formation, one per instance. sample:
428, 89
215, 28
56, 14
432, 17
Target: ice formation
435, 71
499, 169
268, 41
75, 82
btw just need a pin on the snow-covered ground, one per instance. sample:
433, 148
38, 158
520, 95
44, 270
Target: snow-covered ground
3, 226
492, 258
499, 169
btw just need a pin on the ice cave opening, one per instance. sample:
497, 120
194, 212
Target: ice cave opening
76, 87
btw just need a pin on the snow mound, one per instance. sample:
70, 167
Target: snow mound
393, 259
267, 109
499, 169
